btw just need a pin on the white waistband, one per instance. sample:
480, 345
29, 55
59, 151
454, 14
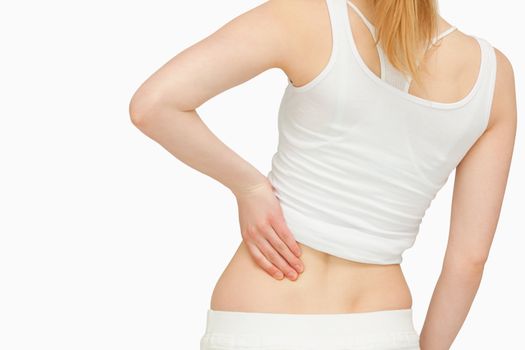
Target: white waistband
235, 328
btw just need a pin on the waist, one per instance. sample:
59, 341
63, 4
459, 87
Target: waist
328, 284
387, 329
359, 228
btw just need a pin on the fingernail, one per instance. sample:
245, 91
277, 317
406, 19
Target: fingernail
299, 268
279, 275
292, 275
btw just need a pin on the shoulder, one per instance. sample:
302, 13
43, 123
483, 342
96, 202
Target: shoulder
305, 27
505, 71
292, 14
504, 98
502, 86
470, 52
283, 26
466, 64
294, 8
298, 19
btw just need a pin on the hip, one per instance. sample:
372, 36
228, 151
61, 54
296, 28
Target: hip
327, 285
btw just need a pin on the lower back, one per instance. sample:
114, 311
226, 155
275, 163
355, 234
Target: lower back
328, 284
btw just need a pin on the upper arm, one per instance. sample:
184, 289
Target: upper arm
481, 177
244, 47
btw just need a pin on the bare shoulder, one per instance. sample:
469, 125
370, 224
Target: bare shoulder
470, 52
299, 25
306, 32
297, 15
463, 66
466, 68
296, 11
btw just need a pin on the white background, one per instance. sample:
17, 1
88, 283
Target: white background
109, 242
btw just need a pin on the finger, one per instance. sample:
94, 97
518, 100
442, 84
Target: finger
261, 260
284, 250
283, 231
275, 258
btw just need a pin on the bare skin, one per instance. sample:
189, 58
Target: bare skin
295, 36
328, 285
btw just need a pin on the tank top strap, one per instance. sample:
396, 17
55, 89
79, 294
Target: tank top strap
338, 24
487, 77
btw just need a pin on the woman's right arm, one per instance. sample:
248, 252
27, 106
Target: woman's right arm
164, 108
479, 187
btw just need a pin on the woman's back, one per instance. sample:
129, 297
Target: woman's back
334, 208
449, 70
360, 158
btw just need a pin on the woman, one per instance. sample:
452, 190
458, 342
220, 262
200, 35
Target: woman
384, 99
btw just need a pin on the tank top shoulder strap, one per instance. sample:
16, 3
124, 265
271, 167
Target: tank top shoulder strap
337, 20
487, 77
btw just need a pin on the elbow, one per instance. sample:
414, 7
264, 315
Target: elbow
136, 111
475, 265
466, 265
142, 107
151, 101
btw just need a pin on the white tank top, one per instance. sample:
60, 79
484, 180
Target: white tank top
359, 159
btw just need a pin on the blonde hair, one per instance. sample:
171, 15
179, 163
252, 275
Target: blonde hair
404, 28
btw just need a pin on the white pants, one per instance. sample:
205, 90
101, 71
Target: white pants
374, 330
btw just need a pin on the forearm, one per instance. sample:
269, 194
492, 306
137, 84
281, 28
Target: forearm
449, 306
185, 136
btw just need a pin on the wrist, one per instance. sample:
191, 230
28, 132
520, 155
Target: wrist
247, 190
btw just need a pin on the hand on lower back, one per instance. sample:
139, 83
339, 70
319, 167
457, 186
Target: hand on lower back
264, 231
